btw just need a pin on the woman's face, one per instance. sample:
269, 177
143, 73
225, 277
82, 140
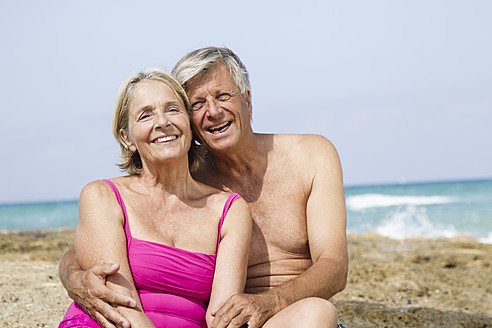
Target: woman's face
159, 127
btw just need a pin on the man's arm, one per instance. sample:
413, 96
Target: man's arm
326, 225
88, 289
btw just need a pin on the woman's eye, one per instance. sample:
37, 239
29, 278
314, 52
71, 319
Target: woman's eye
144, 117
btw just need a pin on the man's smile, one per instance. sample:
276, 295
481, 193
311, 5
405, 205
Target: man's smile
219, 128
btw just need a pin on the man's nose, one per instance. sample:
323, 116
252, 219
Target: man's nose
214, 109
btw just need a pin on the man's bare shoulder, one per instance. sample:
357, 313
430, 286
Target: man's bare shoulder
304, 146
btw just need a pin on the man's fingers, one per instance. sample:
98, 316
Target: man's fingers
223, 307
238, 321
88, 288
102, 321
219, 315
110, 296
110, 317
253, 323
229, 317
105, 269
102, 292
119, 299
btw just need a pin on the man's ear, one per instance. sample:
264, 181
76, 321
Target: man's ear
247, 97
128, 141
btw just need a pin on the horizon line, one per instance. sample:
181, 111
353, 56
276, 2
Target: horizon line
358, 185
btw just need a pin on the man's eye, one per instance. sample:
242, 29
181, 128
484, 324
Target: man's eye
224, 97
197, 105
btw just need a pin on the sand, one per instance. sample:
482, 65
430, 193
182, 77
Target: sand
392, 283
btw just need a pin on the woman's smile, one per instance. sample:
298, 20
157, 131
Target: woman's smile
165, 139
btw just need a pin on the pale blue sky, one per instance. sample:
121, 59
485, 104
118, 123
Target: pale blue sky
402, 88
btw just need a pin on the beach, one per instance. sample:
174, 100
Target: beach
419, 282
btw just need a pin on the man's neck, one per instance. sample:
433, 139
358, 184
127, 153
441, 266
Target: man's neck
246, 160
241, 170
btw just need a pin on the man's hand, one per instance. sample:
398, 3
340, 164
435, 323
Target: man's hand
246, 308
88, 289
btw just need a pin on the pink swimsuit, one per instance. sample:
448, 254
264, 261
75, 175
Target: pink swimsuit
174, 284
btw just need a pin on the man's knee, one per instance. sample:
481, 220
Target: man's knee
317, 312
310, 312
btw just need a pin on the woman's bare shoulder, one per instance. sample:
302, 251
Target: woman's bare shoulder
99, 195
96, 188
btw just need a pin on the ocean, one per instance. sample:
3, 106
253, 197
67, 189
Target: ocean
437, 209
434, 209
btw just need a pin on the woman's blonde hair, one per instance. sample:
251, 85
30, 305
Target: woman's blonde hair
131, 161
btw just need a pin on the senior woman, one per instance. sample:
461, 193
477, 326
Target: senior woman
182, 246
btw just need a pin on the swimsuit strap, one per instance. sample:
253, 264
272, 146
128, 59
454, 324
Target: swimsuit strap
123, 207
232, 197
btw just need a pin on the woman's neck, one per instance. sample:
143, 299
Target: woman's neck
171, 178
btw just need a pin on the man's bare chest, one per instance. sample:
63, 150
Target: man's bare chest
277, 199
279, 223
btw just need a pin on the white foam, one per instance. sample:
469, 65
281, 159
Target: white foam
366, 201
414, 222
486, 240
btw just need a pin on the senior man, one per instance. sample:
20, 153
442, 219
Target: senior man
293, 184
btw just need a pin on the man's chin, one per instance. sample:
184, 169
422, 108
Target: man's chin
219, 145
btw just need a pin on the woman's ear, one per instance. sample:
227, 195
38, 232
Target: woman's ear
128, 141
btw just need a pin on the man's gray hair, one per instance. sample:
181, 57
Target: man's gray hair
198, 62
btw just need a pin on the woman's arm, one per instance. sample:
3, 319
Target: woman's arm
100, 238
232, 257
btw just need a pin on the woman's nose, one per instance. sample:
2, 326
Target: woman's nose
161, 120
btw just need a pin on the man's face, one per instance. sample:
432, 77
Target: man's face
221, 114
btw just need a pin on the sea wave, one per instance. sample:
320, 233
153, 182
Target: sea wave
412, 222
486, 240
366, 201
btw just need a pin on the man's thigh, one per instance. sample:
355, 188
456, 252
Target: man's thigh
308, 312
